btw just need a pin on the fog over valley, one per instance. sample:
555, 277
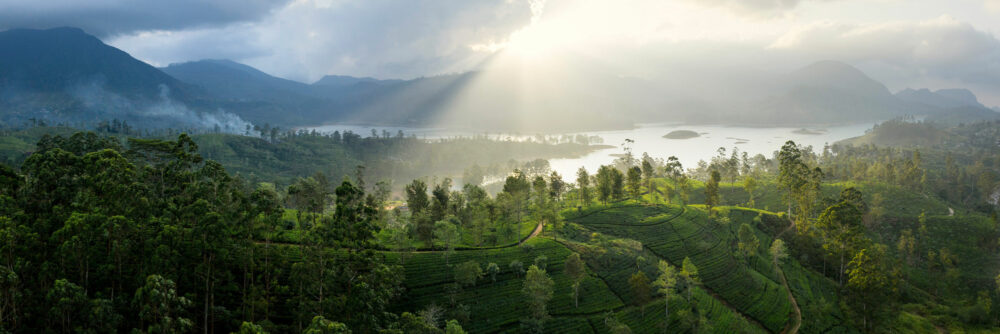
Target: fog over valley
499, 166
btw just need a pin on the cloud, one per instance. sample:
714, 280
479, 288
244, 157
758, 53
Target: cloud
111, 17
755, 8
942, 48
307, 39
992, 5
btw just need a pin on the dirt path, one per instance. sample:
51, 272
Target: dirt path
535, 233
793, 326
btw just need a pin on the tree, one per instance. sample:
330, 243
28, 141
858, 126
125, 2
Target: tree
446, 233
712, 191
750, 185
321, 325
160, 308
778, 251
605, 183
575, 270
416, 196
452, 327
907, 245
841, 223
516, 267
468, 273
647, 173
538, 289
639, 284
665, 283
617, 184
556, 186
583, 186
791, 171
689, 272
869, 279
635, 181
492, 269
519, 189
748, 243
251, 328
542, 262
440, 198
684, 186
69, 304
615, 326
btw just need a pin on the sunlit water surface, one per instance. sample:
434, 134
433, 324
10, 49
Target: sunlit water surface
649, 138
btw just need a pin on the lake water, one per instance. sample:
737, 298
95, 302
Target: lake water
649, 138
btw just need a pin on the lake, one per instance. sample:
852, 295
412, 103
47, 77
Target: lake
649, 138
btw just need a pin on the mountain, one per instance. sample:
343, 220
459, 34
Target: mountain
964, 115
251, 93
64, 75
345, 81
232, 80
828, 92
56, 59
943, 98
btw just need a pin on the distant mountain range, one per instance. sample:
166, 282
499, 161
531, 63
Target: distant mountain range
66, 75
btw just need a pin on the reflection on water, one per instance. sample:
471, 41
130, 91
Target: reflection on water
649, 138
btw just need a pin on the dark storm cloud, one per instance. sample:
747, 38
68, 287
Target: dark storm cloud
111, 17
307, 39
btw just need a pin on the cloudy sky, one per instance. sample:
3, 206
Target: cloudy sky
903, 43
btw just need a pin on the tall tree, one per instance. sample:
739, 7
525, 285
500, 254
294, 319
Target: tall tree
870, 281
617, 184
750, 185
556, 186
575, 270
160, 308
538, 289
689, 272
748, 243
641, 293
583, 186
416, 196
841, 223
468, 273
447, 234
605, 183
665, 283
519, 190
635, 182
712, 191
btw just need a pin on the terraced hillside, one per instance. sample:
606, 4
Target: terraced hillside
750, 287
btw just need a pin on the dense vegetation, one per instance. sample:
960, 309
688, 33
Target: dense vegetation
268, 154
104, 235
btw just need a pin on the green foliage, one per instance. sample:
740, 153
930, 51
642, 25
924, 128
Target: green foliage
160, 308
538, 290
453, 327
321, 325
251, 328
641, 293
468, 273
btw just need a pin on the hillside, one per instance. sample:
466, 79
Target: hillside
942, 98
830, 92
66, 76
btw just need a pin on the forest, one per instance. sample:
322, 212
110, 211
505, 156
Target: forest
105, 234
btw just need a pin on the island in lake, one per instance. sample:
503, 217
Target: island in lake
681, 134
804, 131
